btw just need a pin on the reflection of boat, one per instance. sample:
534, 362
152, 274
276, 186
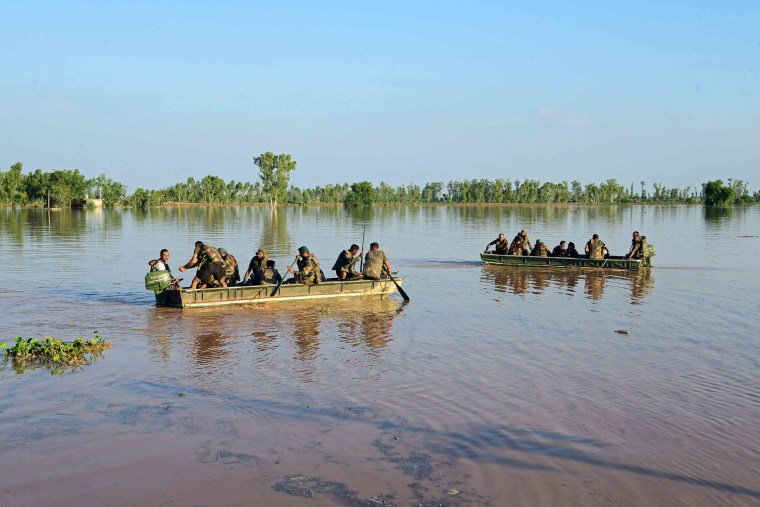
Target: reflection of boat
160, 281
612, 262
592, 283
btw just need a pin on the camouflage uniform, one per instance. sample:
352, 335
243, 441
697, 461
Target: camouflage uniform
210, 263
345, 263
596, 249
640, 249
540, 250
267, 276
308, 271
523, 241
516, 247
502, 247
231, 270
374, 263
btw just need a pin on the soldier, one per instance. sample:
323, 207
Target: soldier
209, 263
502, 246
595, 248
231, 268
308, 268
375, 262
560, 250
523, 240
571, 251
347, 259
639, 247
258, 262
268, 275
540, 250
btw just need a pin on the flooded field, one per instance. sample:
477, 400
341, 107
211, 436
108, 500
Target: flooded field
492, 386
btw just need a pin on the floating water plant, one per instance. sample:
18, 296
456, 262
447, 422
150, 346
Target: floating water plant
53, 352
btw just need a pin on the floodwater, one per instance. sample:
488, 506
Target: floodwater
492, 386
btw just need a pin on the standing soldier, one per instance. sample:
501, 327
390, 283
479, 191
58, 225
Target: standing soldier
595, 248
347, 259
375, 262
308, 268
502, 246
209, 263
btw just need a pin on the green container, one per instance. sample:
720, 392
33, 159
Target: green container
158, 281
651, 250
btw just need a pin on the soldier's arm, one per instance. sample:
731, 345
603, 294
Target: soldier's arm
190, 264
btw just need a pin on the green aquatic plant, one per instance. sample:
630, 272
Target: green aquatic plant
53, 352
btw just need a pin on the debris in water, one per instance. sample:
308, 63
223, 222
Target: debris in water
181, 394
623, 331
453, 492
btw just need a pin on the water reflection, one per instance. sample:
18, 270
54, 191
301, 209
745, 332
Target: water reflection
521, 281
215, 332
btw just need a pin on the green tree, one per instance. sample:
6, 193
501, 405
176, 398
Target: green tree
274, 172
66, 186
361, 194
716, 194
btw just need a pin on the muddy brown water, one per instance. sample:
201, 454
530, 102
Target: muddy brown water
492, 386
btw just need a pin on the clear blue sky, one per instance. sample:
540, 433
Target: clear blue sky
153, 92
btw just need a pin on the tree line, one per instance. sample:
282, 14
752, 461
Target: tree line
63, 188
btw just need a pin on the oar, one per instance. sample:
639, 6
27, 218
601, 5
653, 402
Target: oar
361, 259
400, 290
282, 279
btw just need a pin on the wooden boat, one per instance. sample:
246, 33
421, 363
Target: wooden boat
159, 282
612, 262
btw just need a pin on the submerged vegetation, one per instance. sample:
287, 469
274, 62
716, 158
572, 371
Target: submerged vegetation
62, 188
53, 353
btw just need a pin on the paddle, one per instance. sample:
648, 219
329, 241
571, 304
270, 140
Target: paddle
361, 259
282, 279
400, 290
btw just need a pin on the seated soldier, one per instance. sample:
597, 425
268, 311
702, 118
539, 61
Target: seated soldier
269, 275
595, 248
347, 259
571, 251
540, 250
308, 268
639, 247
502, 245
376, 265
515, 248
560, 250
231, 269
258, 262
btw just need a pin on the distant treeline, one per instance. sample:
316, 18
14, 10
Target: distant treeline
63, 188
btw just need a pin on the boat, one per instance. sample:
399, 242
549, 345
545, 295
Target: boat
160, 283
612, 262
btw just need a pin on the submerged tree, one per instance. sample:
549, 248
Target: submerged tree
274, 172
716, 194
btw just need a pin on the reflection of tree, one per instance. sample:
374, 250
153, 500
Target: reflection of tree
274, 231
715, 215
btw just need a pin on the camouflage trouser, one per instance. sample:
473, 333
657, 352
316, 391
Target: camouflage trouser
306, 278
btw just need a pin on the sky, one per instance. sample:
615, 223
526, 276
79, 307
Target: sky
151, 93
